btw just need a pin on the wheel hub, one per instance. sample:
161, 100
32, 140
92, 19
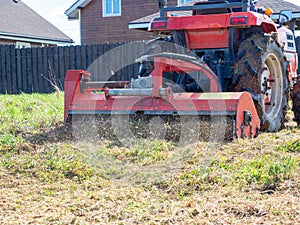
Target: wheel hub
271, 86
266, 87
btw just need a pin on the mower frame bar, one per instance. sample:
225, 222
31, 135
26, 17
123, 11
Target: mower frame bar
150, 112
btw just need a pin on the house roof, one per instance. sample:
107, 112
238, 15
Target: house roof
276, 5
73, 11
19, 22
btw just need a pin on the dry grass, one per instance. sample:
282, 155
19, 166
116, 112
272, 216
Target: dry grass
48, 178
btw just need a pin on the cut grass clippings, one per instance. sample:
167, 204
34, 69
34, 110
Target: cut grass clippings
46, 177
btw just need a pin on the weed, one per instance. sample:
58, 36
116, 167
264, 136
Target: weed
8, 141
291, 146
265, 171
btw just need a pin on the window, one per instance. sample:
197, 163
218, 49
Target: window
111, 7
181, 2
22, 44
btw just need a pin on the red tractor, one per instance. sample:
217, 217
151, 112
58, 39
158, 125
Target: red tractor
211, 59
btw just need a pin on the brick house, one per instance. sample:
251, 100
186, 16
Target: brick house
126, 20
107, 20
23, 27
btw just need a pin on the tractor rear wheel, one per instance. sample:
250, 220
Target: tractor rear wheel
261, 69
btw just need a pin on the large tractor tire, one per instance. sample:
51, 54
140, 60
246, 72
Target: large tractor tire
296, 101
262, 69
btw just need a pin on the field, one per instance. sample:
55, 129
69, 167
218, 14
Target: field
48, 177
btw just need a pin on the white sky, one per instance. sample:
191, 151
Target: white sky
53, 11
296, 2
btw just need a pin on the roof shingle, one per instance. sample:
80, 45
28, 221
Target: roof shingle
17, 19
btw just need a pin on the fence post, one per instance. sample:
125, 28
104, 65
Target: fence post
297, 40
3, 84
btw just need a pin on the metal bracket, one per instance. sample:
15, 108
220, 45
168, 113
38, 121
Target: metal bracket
247, 122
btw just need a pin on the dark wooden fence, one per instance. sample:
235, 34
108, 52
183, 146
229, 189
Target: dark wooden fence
36, 70
298, 51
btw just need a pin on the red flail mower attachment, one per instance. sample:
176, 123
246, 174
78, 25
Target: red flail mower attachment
153, 96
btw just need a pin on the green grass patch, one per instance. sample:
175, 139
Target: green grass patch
291, 146
29, 113
8, 141
144, 152
266, 170
50, 165
263, 173
23, 116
